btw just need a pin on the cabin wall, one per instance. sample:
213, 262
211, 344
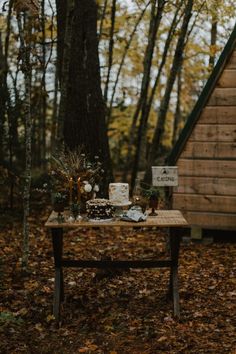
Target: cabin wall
207, 165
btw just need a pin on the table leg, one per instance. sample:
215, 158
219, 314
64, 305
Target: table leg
174, 251
57, 241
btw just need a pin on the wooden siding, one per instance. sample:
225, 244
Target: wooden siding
232, 61
227, 79
216, 132
198, 150
207, 161
218, 115
206, 185
223, 97
207, 168
205, 202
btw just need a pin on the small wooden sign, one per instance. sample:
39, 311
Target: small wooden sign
164, 176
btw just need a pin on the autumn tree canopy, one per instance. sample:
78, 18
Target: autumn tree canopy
136, 72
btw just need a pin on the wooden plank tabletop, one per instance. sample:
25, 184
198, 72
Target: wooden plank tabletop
165, 218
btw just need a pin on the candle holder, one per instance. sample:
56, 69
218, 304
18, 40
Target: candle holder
153, 203
59, 205
70, 190
75, 210
71, 216
152, 194
77, 176
79, 216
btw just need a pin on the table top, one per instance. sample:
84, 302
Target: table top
165, 218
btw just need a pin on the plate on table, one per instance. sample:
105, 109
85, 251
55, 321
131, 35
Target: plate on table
121, 204
101, 220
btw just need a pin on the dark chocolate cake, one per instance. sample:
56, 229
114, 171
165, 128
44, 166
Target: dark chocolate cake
99, 209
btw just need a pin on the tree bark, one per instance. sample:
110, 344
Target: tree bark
43, 89
102, 19
62, 24
177, 116
26, 69
5, 103
213, 41
9, 144
111, 45
83, 108
54, 113
3, 99
64, 20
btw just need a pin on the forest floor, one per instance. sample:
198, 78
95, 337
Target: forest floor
114, 313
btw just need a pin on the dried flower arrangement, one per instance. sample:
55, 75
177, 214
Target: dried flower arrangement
75, 175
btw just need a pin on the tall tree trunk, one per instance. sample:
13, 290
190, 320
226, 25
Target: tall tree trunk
169, 38
177, 116
12, 119
177, 62
5, 103
111, 45
213, 41
43, 89
54, 113
156, 15
63, 58
84, 108
122, 62
102, 19
3, 100
141, 152
141, 134
63, 40
25, 48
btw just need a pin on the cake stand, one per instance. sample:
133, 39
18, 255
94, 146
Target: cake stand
119, 207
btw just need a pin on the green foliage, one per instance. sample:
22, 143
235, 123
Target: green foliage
8, 317
152, 192
59, 197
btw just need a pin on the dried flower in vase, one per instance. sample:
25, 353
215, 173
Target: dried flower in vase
73, 172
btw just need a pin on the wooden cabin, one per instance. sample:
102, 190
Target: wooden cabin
205, 152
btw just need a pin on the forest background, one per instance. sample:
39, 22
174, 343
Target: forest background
154, 59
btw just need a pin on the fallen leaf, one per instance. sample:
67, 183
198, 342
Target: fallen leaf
39, 327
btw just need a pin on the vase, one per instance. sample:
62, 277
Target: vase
59, 207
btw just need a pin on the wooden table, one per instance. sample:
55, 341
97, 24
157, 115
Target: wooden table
172, 219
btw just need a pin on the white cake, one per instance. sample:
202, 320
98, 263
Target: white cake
119, 193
